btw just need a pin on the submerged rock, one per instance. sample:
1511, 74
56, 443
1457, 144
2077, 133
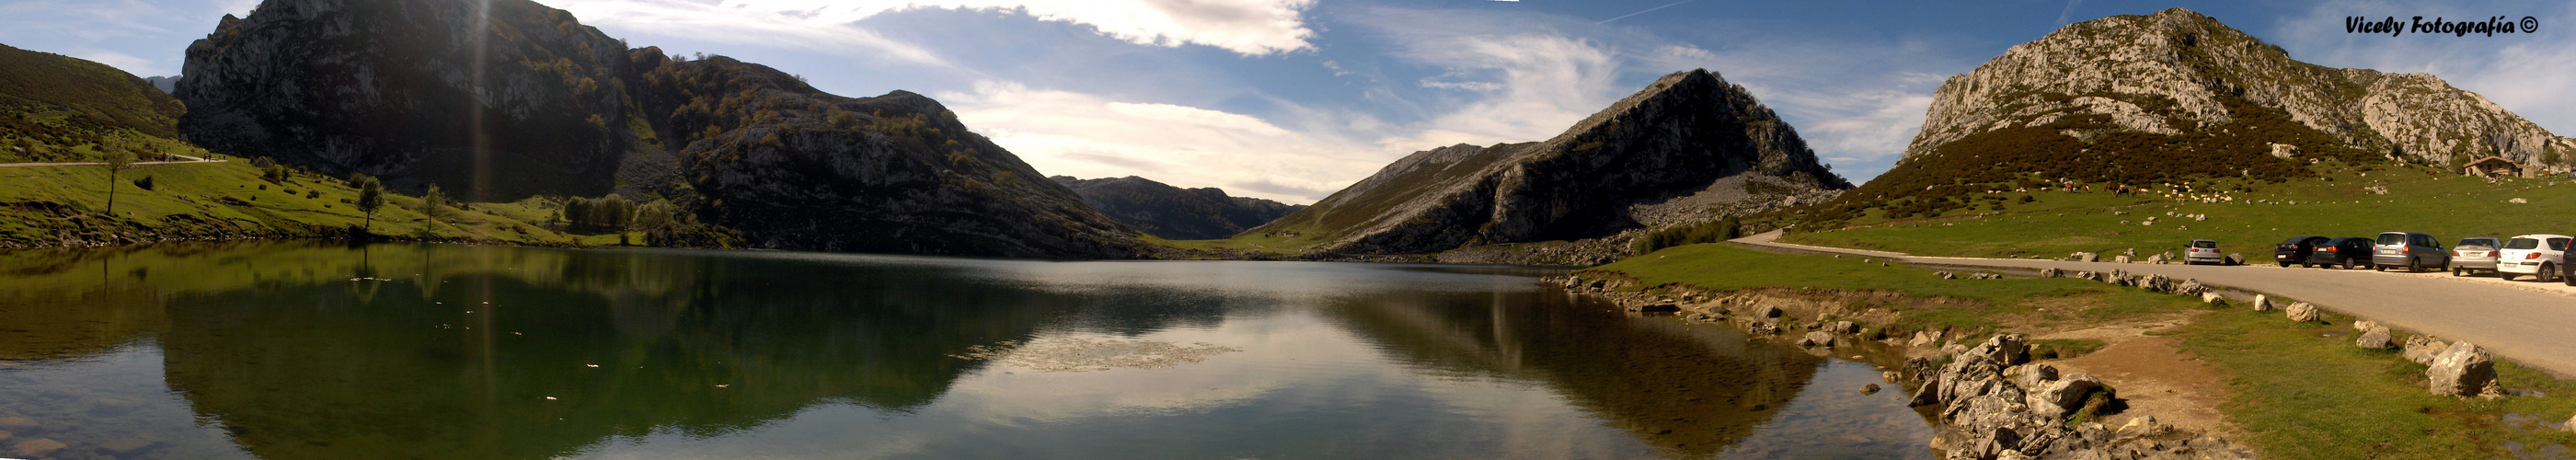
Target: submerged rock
1817, 339
36, 448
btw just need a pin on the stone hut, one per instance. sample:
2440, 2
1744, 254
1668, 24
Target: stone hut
2493, 166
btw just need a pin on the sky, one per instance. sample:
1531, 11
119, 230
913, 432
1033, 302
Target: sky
1293, 99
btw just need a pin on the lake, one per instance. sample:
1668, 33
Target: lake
317, 350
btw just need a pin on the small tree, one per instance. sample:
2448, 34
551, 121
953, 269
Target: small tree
433, 203
371, 195
118, 158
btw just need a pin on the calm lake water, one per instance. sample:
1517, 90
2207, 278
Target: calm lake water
272, 350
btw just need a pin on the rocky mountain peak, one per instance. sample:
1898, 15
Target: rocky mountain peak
1631, 165
2177, 71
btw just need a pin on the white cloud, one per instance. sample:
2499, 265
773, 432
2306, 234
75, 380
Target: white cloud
114, 59
1090, 136
1250, 27
1535, 86
2534, 75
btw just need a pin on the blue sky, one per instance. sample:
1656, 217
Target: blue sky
1293, 99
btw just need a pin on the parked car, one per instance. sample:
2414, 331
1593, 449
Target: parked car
2409, 250
2294, 251
2203, 252
2567, 270
2535, 255
2474, 255
2348, 252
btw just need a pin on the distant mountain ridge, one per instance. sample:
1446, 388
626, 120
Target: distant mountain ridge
1668, 146
1173, 212
2170, 98
502, 99
50, 103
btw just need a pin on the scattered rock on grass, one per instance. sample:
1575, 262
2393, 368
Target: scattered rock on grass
2303, 312
2213, 298
2462, 370
2363, 325
2423, 349
2376, 339
2262, 303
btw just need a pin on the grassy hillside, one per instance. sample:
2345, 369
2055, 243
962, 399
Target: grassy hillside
2244, 215
55, 107
64, 205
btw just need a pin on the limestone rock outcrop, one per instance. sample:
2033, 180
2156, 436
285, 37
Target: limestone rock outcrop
2172, 72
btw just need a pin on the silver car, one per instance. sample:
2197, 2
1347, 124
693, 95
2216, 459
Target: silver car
2203, 252
2474, 255
2408, 250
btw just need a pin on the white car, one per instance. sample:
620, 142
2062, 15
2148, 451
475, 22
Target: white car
2535, 255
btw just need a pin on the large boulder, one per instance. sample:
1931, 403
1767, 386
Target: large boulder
1817, 339
2064, 396
2462, 370
2303, 312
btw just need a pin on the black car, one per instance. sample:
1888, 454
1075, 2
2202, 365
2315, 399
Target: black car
2296, 249
2349, 252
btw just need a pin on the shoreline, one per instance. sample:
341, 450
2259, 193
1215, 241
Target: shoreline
2182, 373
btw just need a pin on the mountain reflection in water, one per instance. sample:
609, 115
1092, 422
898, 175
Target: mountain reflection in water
295, 350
